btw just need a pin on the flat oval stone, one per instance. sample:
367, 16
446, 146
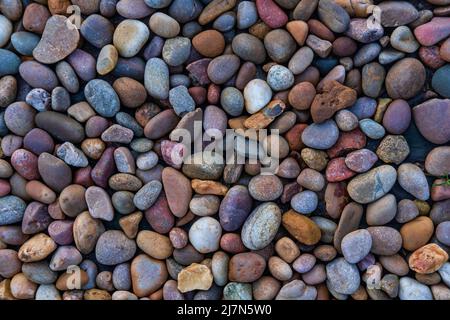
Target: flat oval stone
261, 226
361, 160
222, 68
321, 136
157, 78
18, 118
97, 30
397, 13
333, 15
147, 195
113, 247
55, 172
249, 48
57, 42
405, 78
163, 25
60, 126
359, 30
102, 97
370, 186
38, 75
381, 211
386, 241
234, 208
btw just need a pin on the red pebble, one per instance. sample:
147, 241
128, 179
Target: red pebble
271, 14
337, 170
232, 243
347, 142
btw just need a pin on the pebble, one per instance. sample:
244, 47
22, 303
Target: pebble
385, 240
265, 187
398, 13
413, 180
301, 60
393, 149
57, 41
247, 14
359, 30
405, 78
10, 63
381, 211
305, 202
36, 248
195, 277
246, 267
205, 234
113, 248
222, 68
432, 32
147, 195
411, 289
417, 232
181, 100
302, 228
237, 291
321, 136
403, 40
280, 46
129, 37
24, 42
440, 78
102, 97
372, 129
232, 101
141, 267
176, 51
271, 14
12, 209
428, 117
427, 259
373, 75
261, 226
280, 78
361, 160
342, 276
356, 245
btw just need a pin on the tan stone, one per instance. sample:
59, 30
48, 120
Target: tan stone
195, 277
209, 187
37, 248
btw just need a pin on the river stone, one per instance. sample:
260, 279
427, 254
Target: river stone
157, 78
205, 234
129, 37
430, 118
372, 185
12, 209
440, 81
386, 241
321, 136
342, 276
54, 172
403, 40
333, 15
411, 289
412, 179
102, 97
99, 203
405, 79
147, 275
356, 245
381, 211
147, 195
57, 42
60, 126
397, 13
113, 247
261, 226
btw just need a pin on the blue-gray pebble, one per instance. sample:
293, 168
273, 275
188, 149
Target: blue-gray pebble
102, 97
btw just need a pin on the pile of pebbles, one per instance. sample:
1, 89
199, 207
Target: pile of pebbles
359, 207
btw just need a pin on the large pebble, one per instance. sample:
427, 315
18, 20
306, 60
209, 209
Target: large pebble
129, 37
321, 136
205, 234
370, 186
113, 247
261, 226
342, 276
102, 97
